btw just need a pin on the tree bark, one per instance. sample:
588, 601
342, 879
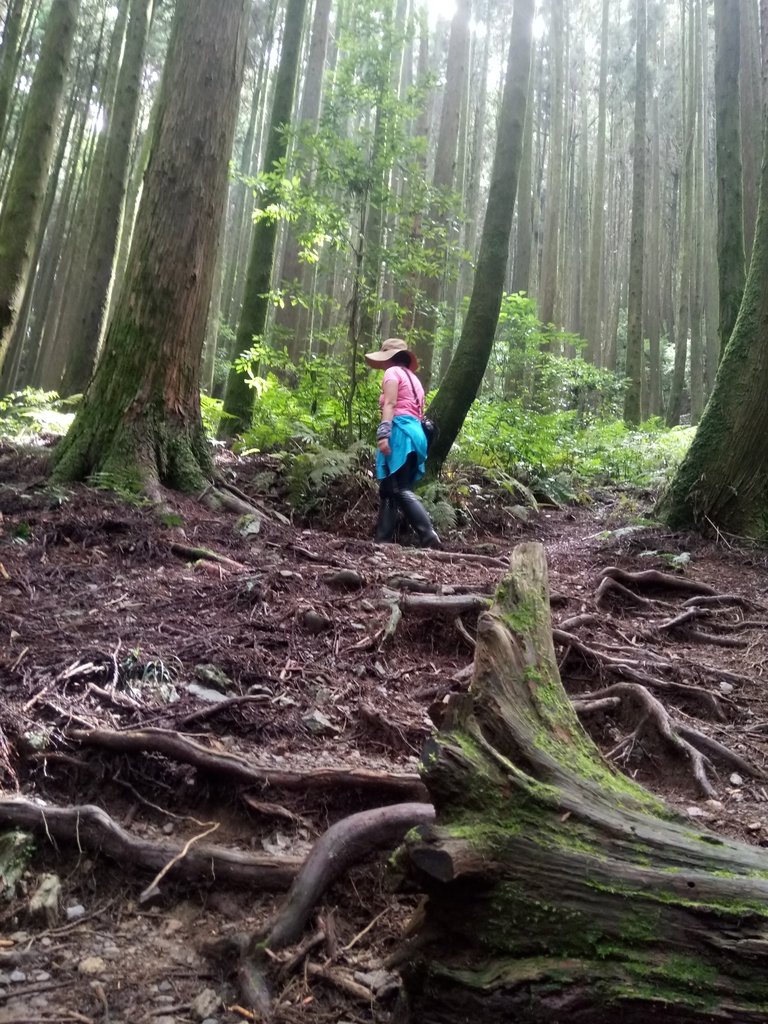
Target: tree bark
139, 424
459, 388
23, 207
558, 889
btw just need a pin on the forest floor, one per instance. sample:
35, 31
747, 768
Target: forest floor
108, 625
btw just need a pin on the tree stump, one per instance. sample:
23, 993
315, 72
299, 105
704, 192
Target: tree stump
557, 888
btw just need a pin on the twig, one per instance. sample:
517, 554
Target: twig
151, 889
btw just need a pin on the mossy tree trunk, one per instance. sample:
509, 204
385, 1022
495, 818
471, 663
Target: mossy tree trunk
23, 207
559, 890
238, 398
723, 480
465, 373
139, 423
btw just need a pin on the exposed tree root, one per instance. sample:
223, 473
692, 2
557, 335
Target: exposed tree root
612, 588
451, 604
708, 745
655, 713
178, 747
224, 705
89, 827
650, 579
344, 844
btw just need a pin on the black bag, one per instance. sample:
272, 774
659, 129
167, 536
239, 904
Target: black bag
427, 425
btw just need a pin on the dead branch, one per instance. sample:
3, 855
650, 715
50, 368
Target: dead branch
585, 619
453, 557
591, 707
683, 619
224, 705
92, 828
724, 601
194, 554
180, 748
452, 604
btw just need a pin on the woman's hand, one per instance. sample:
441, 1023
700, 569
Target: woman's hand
383, 445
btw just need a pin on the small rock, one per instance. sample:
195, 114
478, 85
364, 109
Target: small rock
694, 812
168, 828
75, 912
315, 622
725, 687
289, 574
39, 1002
210, 1020
16, 977
318, 724
165, 986
204, 1004
46, 900
92, 965
42, 976
736, 779
714, 805
213, 676
754, 826
165, 1019
345, 579
206, 693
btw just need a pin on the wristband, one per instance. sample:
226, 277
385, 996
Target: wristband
384, 430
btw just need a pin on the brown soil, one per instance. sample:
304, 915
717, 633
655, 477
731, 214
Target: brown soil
101, 623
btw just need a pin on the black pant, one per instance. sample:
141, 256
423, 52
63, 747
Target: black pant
401, 480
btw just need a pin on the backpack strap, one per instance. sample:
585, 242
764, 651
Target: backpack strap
420, 404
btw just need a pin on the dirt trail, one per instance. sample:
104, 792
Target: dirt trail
103, 626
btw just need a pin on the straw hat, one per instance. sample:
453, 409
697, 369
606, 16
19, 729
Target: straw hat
381, 359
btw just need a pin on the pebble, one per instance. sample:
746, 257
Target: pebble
42, 976
736, 780
91, 965
39, 1002
725, 687
204, 1004
165, 1019
76, 912
210, 1020
17, 976
168, 828
165, 986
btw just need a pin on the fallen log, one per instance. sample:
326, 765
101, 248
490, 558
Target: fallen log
558, 889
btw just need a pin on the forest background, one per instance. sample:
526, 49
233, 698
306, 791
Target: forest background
360, 181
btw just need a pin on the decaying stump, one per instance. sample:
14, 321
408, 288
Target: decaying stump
559, 890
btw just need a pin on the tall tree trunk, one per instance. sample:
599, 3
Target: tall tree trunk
751, 101
730, 211
697, 306
139, 424
295, 273
238, 399
596, 244
443, 180
634, 365
459, 388
9, 57
653, 297
100, 256
521, 269
20, 218
548, 283
688, 125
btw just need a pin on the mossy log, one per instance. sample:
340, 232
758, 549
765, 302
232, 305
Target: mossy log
558, 889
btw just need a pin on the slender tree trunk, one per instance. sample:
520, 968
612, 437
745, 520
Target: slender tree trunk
596, 246
21, 213
443, 180
730, 211
751, 101
9, 57
238, 400
139, 424
459, 388
100, 257
549, 259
